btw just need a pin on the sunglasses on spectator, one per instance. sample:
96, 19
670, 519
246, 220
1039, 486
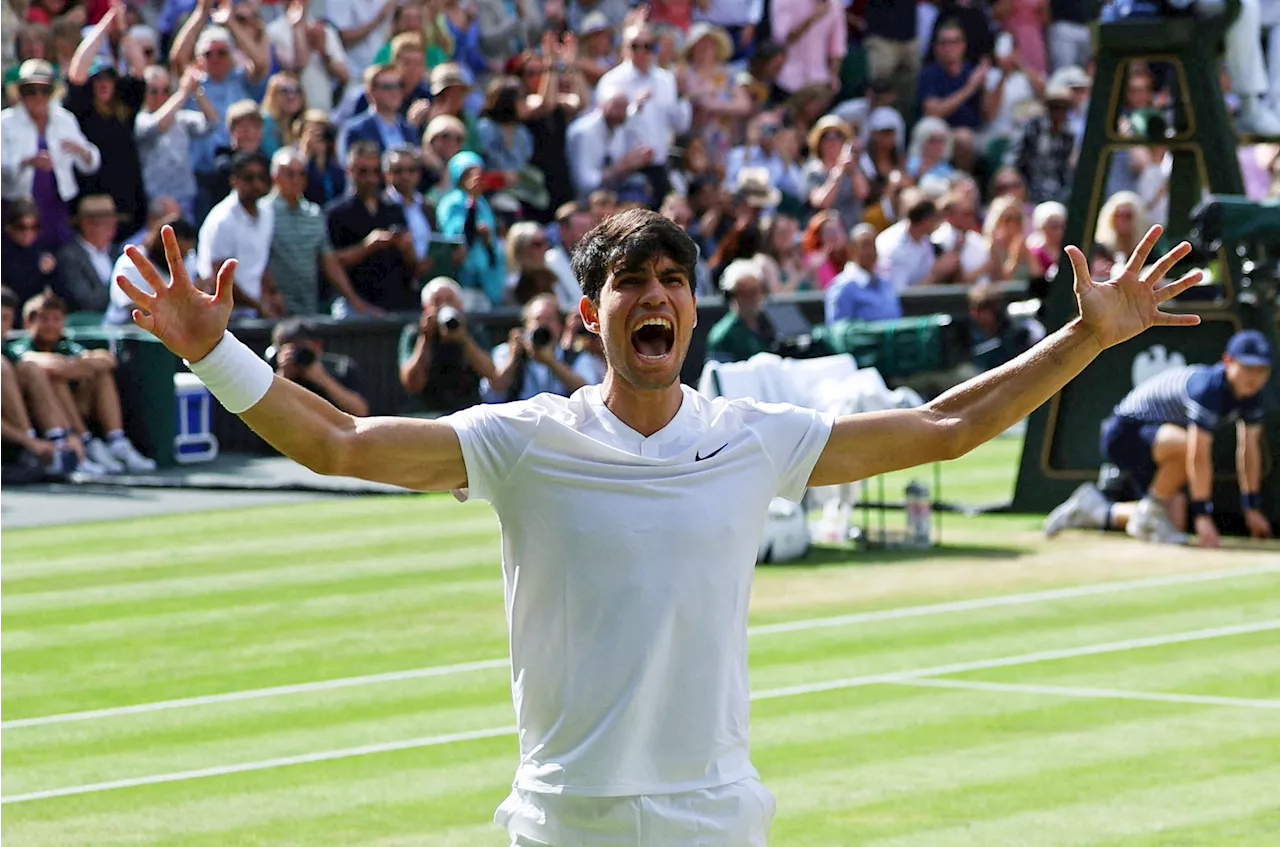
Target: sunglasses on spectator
289, 89
449, 136
389, 86
405, 169
365, 171
31, 90
252, 176
157, 90
642, 45
220, 52
294, 173
951, 40
27, 226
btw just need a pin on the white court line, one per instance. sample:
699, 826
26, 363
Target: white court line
769, 694
266, 764
1024, 659
998, 600
1094, 693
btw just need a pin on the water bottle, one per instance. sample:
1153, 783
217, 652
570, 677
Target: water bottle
919, 516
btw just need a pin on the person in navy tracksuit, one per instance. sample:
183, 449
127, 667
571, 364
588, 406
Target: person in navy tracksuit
1161, 436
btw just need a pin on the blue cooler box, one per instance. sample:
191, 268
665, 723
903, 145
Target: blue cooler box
195, 441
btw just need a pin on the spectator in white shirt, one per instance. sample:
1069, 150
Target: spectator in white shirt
240, 227
906, 253
603, 146
313, 50
958, 234
363, 27
660, 108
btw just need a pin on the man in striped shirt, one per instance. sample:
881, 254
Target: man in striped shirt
1161, 435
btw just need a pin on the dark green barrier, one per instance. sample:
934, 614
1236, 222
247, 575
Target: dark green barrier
144, 376
147, 369
899, 348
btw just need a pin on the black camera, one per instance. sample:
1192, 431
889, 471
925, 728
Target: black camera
449, 318
540, 337
303, 356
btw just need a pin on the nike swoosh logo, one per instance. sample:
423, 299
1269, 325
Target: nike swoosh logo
698, 457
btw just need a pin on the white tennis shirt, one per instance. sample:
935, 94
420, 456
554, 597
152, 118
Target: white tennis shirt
627, 566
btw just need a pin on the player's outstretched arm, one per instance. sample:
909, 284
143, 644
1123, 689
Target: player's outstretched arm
418, 454
969, 414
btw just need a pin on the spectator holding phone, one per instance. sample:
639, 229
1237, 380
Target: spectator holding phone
442, 357
465, 212
371, 238
833, 178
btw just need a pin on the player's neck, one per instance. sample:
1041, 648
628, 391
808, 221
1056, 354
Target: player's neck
644, 410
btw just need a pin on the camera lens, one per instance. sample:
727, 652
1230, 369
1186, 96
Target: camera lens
540, 337
304, 357
449, 317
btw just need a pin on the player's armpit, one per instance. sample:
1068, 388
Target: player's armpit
872, 443
422, 455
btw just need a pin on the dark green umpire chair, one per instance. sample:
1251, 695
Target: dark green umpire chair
1061, 448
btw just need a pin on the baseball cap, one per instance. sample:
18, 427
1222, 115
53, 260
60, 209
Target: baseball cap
36, 72
1250, 347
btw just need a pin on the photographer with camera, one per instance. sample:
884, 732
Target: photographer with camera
297, 353
531, 361
442, 357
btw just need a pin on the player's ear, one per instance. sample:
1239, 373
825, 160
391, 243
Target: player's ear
590, 314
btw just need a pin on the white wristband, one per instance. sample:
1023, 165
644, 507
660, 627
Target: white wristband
234, 374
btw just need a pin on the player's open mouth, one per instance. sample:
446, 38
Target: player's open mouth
653, 338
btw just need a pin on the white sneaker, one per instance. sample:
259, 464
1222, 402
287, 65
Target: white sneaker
88, 470
133, 461
1086, 508
98, 453
1150, 522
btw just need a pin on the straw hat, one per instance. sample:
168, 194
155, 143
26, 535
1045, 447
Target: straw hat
97, 206
825, 124
595, 22
448, 75
701, 30
753, 188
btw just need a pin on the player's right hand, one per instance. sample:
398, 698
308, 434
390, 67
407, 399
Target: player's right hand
1259, 526
185, 319
1207, 532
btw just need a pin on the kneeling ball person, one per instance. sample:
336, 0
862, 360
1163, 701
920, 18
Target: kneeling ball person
1161, 435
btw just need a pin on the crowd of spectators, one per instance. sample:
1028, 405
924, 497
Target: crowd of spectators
369, 157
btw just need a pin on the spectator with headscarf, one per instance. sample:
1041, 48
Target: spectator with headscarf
465, 212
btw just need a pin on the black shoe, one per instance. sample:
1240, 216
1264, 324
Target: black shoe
25, 469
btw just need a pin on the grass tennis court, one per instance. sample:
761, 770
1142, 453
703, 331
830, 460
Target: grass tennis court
1058, 696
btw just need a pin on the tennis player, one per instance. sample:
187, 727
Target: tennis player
631, 514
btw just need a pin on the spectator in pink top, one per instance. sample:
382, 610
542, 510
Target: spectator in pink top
814, 33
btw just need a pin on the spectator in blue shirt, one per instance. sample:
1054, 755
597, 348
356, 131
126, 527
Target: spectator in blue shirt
858, 293
382, 122
1161, 436
951, 88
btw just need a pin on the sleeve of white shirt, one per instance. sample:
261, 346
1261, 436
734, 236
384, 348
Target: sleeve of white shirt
793, 438
493, 437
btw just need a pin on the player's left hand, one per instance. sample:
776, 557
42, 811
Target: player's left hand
1117, 309
1259, 526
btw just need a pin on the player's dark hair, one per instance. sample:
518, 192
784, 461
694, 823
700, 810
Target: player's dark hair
625, 242
292, 331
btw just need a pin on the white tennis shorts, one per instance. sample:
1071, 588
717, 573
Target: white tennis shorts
734, 815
